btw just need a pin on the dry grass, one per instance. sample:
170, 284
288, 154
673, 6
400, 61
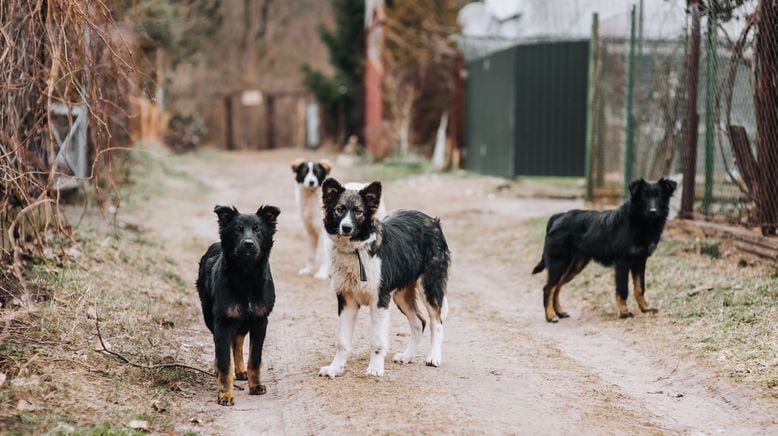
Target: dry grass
57, 378
714, 303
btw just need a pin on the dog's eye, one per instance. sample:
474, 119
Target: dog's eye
255, 228
358, 212
339, 210
240, 227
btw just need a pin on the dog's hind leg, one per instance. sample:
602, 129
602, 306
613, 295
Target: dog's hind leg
639, 285
237, 357
622, 290
575, 268
556, 272
257, 338
325, 245
347, 318
406, 301
224, 365
434, 284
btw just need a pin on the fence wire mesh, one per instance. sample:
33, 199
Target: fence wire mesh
736, 165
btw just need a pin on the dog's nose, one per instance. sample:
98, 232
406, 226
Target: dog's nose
346, 228
248, 243
311, 183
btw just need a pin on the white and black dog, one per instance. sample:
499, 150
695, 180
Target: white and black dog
309, 176
374, 260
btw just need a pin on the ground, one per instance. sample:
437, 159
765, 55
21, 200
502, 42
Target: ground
706, 363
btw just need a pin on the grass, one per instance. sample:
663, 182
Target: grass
57, 381
724, 313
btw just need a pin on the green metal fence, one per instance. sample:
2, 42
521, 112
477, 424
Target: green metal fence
526, 110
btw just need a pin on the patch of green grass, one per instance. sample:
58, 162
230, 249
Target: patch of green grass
169, 375
174, 279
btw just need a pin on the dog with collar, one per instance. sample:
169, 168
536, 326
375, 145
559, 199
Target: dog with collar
400, 257
309, 176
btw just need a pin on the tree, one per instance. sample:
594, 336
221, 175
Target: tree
340, 94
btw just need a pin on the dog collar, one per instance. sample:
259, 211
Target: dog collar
362, 274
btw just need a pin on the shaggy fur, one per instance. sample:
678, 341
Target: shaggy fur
623, 238
309, 176
374, 261
237, 294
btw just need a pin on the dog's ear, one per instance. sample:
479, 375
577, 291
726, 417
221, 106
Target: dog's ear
330, 191
371, 194
269, 214
225, 214
668, 185
327, 165
636, 185
296, 163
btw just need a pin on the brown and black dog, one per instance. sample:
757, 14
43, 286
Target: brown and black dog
624, 238
237, 294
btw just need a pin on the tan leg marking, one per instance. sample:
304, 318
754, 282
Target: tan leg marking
640, 297
237, 357
224, 385
621, 305
255, 377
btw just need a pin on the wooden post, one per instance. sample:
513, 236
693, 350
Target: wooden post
228, 134
269, 119
692, 118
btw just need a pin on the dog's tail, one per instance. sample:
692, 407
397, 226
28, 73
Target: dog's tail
542, 264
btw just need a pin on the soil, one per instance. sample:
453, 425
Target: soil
505, 370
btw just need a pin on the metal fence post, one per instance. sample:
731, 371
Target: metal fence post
591, 117
629, 127
710, 95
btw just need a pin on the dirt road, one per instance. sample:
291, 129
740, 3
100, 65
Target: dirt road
505, 369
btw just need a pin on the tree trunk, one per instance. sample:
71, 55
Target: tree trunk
766, 102
692, 118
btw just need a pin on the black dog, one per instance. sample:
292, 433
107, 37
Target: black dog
237, 294
624, 237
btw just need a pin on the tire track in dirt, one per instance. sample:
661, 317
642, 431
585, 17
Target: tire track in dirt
505, 369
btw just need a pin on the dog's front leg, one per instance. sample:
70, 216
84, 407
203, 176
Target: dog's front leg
379, 337
313, 245
257, 338
347, 317
639, 285
222, 338
622, 290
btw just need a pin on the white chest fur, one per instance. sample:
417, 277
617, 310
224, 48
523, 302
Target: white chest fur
345, 276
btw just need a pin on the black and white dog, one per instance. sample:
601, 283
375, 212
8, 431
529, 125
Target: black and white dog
309, 176
373, 261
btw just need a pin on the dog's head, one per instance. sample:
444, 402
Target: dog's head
349, 213
310, 174
246, 237
651, 200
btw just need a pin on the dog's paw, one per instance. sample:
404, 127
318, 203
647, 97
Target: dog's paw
257, 390
402, 358
330, 371
553, 319
563, 315
322, 274
241, 376
225, 399
434, 361
305, 271
375, 372
624, 315
650, 310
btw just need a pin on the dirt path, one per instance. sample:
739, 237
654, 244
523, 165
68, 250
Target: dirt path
505, 369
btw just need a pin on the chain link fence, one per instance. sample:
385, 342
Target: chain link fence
640, 117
